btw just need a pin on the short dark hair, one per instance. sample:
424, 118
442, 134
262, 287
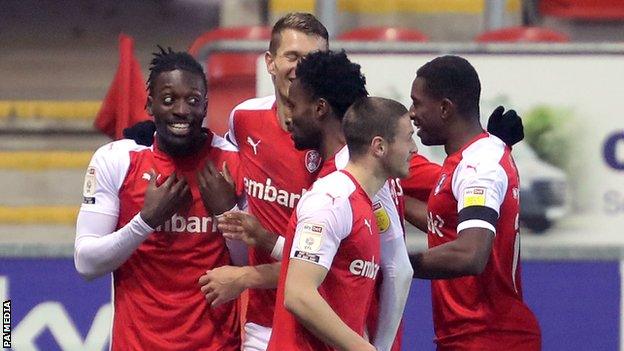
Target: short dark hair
299, 21
168, 60
370, 117
332, 76
452, 77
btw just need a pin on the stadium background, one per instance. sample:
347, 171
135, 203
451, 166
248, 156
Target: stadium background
59, 58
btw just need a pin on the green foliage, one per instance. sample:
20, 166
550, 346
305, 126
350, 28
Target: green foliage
549, 132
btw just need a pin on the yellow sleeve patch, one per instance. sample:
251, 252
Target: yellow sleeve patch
474, 197
381, 216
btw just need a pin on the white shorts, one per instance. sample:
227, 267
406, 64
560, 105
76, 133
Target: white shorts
256, 337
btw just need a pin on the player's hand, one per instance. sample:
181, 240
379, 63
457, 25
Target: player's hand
221, 285
142, 133
216, 189
161, 202
506, 126
242, 226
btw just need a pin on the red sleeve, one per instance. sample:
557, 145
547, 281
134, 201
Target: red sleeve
422, 178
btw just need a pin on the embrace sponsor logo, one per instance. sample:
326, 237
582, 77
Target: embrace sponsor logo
6, 324
193, 224
367, 269
267, 192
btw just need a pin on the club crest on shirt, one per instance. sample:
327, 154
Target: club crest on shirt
381, 216
439, 185
311, 237
88, 189
312, 160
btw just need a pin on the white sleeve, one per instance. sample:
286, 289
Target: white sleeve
104, 177
479, 187
387, 214
99, 249
397, 275
322, 223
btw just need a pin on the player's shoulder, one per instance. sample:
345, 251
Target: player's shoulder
118, 149
488, 149
331, 191
254, 105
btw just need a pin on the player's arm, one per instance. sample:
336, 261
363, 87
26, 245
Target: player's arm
99, 248
479, 189
302, 299
226, 283
322, 223
396, 272
397, 279
237, 225
467, 255
422, 179
416, 212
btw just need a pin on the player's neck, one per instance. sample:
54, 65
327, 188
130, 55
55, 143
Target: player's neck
369, 176
333, 139
282, 111
461, 133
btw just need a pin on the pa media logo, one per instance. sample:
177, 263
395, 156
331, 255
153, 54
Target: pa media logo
6, 324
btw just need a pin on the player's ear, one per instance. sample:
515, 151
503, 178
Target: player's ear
447, 108
322, 108
148, 105
270, 63
378, 146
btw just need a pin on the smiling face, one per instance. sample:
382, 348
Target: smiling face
426, 113
178, 105
281, 64
303, 126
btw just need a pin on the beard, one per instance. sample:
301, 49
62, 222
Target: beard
308, 142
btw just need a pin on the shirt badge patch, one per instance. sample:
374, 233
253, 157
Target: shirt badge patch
381, 215
438, 187
311, 237
474, 197
312, 160
88, 189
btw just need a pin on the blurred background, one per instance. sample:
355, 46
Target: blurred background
559, 63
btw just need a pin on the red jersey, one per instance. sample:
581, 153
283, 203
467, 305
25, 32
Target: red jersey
157, 302
274, 175
388, 207
422, 177
479, 187
333, 226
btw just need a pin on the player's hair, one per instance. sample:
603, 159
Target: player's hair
369, 117
301, 22
168, 60
332, 76
454, 78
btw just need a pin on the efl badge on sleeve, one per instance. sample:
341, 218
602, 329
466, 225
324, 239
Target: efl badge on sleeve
312, 160
311, 237
383, 220
88, 189
474, 197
